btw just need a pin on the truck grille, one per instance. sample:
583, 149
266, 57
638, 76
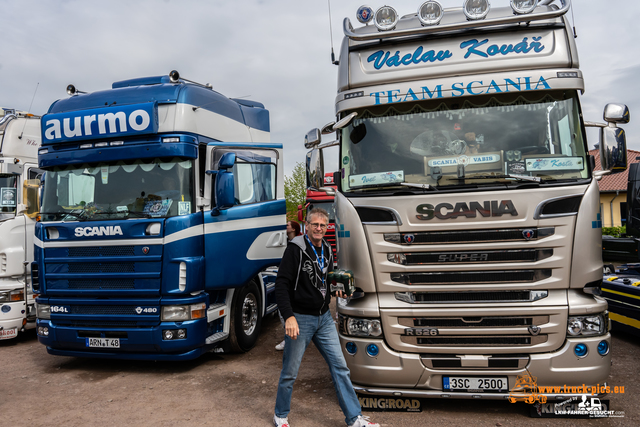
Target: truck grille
96, 284
502, 340
112, 310
95, 267
106, 251
97, 324
467, 257
470, 297
471, 236
471, 277
474, 322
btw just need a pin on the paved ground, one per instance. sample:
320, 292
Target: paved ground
37, 389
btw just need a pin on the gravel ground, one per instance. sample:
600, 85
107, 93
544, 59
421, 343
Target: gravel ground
37, 389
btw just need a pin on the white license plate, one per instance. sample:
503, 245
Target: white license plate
475, 384
103, 342
6, 334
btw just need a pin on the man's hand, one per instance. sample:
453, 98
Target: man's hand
291, 328
341, 294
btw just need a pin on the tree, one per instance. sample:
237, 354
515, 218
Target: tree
295, 190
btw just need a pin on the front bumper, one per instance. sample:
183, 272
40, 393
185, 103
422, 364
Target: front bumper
391, 373
135, 343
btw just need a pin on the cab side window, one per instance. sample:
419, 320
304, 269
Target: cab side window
254, 182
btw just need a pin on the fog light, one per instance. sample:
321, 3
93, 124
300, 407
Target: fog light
385, 18
182, 334
430, 13
603, 348
580, 350
43, 330
523, 6
373, 350
167, 334
351, 348
476, 9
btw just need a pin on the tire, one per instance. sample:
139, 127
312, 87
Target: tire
246, 318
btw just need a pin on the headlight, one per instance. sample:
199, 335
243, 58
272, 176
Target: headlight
12, 296
523, 6
44, 311
476, 9
179, 313
587, 325
359, 327
386, 18
430, 13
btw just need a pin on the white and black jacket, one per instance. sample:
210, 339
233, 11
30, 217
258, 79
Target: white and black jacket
299, 285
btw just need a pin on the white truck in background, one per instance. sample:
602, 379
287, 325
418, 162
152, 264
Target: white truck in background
19, 183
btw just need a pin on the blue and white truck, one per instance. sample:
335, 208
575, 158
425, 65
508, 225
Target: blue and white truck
163, 216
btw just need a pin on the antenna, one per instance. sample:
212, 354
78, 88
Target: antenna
333, 56
30, 105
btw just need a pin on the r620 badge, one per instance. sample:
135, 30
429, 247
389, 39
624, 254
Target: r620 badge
420, 332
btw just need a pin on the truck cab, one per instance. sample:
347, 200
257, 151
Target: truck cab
19, 182
163, 216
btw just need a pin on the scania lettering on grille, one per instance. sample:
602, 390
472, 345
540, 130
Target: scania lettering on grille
486, 209
468, 257
111, 230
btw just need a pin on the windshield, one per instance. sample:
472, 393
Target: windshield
8, 195
126, 189
476, 141
327, 206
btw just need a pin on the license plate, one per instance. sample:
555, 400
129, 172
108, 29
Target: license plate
103, 342
6, 334
475, 384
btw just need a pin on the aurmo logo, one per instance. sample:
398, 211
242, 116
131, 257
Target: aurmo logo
526, 390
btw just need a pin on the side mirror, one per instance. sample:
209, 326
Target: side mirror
613, 149
225, 186
616, 113
315, 169
312, 138
31, 198
300, 213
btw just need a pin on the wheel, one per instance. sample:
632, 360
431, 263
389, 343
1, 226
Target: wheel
246, 318
608, 269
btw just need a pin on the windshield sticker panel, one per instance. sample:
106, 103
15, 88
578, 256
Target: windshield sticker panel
376, 178
554, 164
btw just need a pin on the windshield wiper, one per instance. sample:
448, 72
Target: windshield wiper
138, 214
421, 186
514, 177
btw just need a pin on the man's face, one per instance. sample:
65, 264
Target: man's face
316, 228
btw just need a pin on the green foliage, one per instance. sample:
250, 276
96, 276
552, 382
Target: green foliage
295, 190
614, 231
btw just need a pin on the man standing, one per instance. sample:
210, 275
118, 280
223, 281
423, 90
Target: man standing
303, 297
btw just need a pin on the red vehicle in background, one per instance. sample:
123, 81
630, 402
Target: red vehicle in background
320, 199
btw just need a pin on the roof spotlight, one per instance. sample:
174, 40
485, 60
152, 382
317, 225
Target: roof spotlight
522, 7
364, 14
430, 13
174, 76
476, 9
71, 90
386, 18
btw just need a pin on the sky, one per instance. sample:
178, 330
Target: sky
277, 52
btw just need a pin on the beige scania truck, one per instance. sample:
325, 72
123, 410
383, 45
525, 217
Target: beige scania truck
467, 206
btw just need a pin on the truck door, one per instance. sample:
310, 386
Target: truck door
250, 236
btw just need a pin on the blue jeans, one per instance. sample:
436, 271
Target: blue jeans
322, 331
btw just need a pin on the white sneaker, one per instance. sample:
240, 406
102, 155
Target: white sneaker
280, 346
280, 422
363, 421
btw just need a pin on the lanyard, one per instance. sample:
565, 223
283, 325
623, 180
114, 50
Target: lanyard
319, 258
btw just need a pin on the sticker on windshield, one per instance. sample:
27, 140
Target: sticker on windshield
465, 160
122, 209
8, 196
555, 163
157, 208
184, 208
376, 178
104, 173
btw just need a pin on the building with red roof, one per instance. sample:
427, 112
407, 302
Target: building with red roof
613, 191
